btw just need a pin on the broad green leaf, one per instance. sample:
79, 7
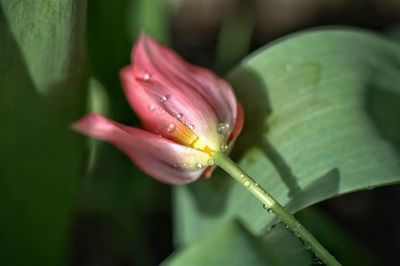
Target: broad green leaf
45, 32
233, 244
317, 126
43, 81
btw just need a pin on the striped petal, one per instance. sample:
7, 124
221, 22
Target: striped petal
194, 96
159, 157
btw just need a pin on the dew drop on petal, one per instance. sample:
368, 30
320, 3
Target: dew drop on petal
152, 107
146, 76
163, 99
198, 166
190, 126
178, 116
143, 75
171, 128
210, 162
222, 128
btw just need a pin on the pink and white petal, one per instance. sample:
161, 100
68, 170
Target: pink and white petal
232, 137
147, 108
189, 110
217, 92
181, 99
204, 99
220, 94
154, 117
159, 157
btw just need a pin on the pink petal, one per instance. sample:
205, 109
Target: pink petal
159, 157
202, 98
231, 140
151, 112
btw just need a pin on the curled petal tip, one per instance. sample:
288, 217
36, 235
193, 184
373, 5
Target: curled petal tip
94, 125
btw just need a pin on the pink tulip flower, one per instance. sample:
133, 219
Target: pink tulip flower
187, 112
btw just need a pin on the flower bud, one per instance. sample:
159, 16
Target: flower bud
187, 112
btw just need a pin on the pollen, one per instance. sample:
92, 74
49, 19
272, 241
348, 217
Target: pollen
200, 145
182, 134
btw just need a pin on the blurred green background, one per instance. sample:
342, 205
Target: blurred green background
67, 200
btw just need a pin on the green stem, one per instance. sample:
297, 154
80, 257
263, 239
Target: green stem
288, 219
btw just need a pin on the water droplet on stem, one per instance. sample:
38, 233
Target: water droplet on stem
267, 209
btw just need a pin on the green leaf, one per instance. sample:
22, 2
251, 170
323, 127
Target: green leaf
315, 128
46, 34
233, 244
43, 86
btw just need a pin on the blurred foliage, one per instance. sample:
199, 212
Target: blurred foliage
112, 30
42, 79
231, 49
116, 196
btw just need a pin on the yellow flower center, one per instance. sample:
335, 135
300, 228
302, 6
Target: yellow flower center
185, 136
